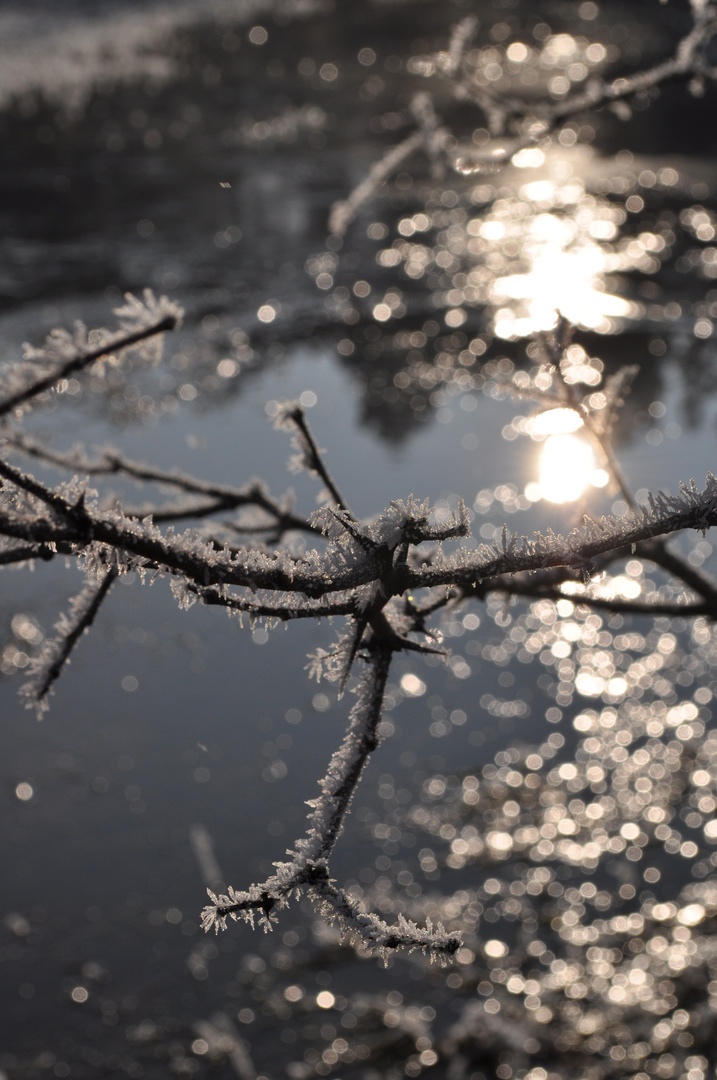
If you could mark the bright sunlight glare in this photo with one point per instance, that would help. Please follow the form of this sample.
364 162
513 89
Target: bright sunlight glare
562 276
555 422
566 468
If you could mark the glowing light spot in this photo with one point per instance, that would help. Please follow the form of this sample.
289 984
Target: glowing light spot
501 843
595 52
79 994
691 915
227 368
538 191
382 312
24 791
325 999
565 468
561 45
589 685
559 85
412 686
455 317
603 230
517 52
555 422
620 586
495 948
492 230
266 313
530 158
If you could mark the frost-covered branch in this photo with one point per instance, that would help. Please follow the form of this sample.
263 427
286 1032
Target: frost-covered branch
21 553
344 212
309 609
350 561
372 932
664 514
65 354
47 667
516 124
565 391
345 565
218 498
291 417
367 572
537 120
308 863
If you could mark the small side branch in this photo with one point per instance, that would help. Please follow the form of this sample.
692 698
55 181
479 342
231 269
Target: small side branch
309 457
71 357
47 668
24 553
665 514
370 930
344 212
309 859
256 609
221 498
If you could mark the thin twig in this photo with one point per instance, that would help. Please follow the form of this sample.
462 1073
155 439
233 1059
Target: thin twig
294 414
223 497
47 668
308 862
115 343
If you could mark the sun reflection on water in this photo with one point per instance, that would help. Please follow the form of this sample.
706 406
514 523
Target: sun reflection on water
531 251
565 255
567 462
563 276
566 465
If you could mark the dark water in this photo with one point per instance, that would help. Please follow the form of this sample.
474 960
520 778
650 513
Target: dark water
199 155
